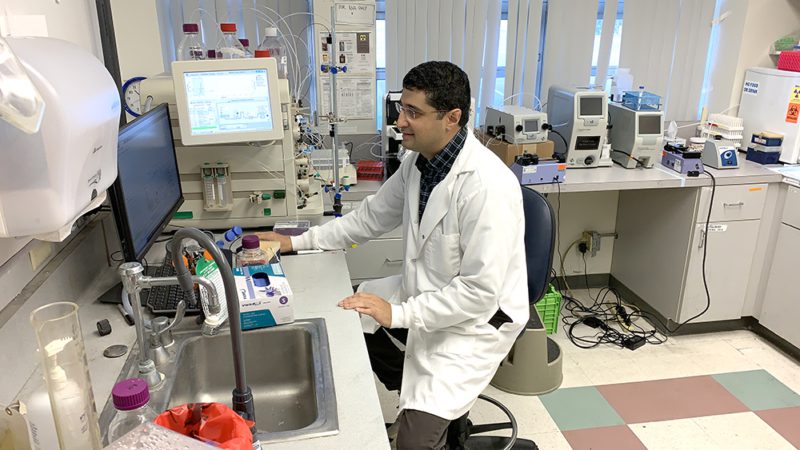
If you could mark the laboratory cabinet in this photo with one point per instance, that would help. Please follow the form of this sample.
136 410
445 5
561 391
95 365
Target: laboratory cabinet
781 308
659 252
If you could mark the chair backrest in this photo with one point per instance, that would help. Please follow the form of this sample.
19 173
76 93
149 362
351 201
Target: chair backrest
540 238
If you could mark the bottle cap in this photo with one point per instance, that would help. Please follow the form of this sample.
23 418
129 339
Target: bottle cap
261 54
251 241
130 394
245 42
228 27
190 28
212 54
270 32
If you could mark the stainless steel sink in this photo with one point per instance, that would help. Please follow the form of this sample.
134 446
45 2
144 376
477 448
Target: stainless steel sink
288 368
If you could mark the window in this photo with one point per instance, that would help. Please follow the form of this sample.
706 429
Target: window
616 40
380 61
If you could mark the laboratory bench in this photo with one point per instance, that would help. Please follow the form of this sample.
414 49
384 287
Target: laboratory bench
318 282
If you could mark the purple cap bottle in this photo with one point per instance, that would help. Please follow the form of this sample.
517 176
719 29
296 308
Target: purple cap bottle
250 242
130 394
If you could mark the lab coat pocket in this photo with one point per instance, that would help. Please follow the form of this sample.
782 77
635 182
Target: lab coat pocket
449 343
443 254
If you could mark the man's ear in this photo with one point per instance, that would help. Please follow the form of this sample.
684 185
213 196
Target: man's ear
453 117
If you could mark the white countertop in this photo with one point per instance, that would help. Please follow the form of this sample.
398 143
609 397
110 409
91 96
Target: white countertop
319 281
616 178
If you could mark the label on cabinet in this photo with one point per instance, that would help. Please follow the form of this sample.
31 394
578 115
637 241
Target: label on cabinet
717 227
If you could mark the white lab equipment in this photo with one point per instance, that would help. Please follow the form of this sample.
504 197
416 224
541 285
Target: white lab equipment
580 116
50 177
229 100
516 124
720 154
636 138
771 102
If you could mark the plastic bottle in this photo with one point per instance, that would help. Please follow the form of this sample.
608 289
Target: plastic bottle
246 44
191 46
222 192
251 254
271 46
131 399
623 80
229 46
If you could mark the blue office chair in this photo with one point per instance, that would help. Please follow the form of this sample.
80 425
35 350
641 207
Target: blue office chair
533 366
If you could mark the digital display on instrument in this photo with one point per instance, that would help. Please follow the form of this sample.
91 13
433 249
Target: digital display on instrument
531 125
649 124
590 106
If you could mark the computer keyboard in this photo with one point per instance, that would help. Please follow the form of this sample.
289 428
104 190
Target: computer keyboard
163 300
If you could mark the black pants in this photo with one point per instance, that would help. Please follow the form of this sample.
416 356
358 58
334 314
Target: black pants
429 431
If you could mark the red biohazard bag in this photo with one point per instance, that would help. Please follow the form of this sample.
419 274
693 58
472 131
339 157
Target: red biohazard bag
212 423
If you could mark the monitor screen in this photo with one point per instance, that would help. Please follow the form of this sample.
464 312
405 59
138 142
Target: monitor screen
147 191
227 101
590 106
531 125
649 124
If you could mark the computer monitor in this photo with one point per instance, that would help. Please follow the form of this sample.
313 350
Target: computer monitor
228 100
147 191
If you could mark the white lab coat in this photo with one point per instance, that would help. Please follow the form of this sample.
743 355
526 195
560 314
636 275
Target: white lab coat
463 261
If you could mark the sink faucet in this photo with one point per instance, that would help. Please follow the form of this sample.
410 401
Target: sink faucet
134 281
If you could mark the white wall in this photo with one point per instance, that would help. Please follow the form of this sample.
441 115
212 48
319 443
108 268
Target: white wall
138 38
764 22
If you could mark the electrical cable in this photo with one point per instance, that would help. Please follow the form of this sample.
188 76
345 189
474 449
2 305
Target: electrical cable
566 146
705 255
638 161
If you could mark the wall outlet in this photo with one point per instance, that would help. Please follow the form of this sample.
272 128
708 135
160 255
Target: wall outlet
592 241
40 254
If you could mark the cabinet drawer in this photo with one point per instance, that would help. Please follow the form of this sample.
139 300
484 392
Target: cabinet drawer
791 209
375 259
738 202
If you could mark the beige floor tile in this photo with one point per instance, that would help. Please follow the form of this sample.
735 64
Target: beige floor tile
683 434
742 430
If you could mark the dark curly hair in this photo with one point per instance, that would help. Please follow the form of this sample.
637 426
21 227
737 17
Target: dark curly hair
446 86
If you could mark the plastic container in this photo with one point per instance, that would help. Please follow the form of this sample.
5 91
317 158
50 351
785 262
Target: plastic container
251 254
272 47
66 373
191 46
229 46
621 81
367 170
641 100
131 398
246 44
549 308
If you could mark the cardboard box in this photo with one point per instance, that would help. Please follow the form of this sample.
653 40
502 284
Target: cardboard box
265 298
507 152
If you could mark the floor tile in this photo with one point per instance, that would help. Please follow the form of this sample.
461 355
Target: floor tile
785 421
758 389
682 434
553 440
676 398
606 438
741 431
582 407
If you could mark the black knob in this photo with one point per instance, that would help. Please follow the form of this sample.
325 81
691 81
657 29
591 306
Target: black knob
589 160
518 128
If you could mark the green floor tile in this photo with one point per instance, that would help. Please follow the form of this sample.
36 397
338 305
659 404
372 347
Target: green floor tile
758 390
578 408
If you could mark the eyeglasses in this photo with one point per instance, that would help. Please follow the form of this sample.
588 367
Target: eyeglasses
412 113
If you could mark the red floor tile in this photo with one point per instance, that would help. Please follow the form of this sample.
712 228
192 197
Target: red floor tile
618 437
678 398
786 421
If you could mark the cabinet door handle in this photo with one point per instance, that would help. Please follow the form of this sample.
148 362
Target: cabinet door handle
731 205
393 261
702 238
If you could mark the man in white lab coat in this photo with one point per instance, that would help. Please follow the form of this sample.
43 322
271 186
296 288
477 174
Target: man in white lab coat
461 300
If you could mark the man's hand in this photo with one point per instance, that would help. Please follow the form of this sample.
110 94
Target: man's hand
286 241
371 305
